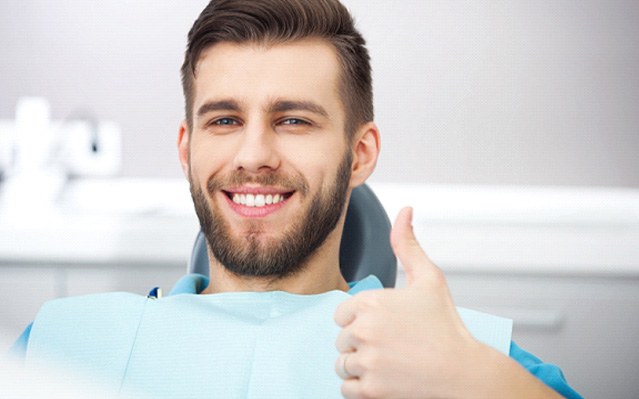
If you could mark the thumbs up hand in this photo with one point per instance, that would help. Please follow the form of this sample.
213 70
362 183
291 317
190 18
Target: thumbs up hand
411 343
399 342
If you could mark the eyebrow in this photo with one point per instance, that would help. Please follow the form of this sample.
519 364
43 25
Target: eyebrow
276 106
293 105
220 105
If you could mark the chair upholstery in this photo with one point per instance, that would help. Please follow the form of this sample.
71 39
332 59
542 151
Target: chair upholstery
365 246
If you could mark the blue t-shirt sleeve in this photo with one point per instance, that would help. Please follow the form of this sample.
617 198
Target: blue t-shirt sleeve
549 374
19 348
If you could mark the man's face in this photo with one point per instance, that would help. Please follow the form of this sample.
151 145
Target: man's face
269 164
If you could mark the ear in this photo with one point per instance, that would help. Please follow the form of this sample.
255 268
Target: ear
184 135
366 146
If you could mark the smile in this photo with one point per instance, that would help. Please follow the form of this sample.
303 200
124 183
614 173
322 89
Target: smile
258 200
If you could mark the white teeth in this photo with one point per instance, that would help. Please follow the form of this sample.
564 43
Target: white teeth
257 200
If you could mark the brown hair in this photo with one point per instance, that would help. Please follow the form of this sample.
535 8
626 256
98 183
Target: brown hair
278 21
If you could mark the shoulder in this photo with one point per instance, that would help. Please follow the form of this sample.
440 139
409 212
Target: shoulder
68 317
58 316
95 305
76 309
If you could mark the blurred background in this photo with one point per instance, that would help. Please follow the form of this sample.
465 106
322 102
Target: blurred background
469 92
511 126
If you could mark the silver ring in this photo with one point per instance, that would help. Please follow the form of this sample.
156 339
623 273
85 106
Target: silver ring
342 371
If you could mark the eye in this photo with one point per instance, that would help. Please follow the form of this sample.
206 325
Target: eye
224 122
294 121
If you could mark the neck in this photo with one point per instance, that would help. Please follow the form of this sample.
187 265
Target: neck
321 273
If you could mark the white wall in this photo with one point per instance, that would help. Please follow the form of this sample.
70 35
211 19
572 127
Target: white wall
476 92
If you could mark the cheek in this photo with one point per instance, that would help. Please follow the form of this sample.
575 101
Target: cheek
317 150
321 176
311 161
206 159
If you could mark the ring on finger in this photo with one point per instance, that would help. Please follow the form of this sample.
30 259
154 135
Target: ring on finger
342 371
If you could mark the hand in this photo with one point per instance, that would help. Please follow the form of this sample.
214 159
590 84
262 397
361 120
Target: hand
407 342
411 343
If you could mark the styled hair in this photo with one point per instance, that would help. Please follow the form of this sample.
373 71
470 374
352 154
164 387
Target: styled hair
273 22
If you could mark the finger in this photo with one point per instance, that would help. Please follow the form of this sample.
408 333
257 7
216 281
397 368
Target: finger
345 341
346 312
406 247
342 365
351 389
348 366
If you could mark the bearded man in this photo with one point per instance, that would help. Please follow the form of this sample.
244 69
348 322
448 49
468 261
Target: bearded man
278 131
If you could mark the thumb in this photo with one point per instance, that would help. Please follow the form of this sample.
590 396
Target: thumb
405 246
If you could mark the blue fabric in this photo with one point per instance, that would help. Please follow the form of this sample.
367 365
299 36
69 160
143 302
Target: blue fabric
89 336
19 348
227 345
491 330
190 284
550 374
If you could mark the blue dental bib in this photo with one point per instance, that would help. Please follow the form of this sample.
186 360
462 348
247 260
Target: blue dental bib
229 345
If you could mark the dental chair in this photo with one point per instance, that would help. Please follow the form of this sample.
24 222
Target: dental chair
365 248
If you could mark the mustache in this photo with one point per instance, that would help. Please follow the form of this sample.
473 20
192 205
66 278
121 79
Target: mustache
240 177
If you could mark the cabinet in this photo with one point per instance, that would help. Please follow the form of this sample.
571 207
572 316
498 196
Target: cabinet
588 325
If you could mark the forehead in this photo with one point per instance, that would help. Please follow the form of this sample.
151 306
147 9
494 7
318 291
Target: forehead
307 70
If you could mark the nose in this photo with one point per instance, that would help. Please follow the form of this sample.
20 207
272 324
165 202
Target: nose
257 152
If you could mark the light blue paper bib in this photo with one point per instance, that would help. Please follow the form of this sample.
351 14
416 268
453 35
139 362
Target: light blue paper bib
231 345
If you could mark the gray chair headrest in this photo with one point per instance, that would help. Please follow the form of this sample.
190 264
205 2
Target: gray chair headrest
364 249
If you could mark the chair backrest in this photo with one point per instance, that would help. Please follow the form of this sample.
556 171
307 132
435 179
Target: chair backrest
364 250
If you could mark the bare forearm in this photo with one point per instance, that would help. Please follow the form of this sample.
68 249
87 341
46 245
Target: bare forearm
502 377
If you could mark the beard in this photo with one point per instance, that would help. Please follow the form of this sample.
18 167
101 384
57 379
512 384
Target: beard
282 256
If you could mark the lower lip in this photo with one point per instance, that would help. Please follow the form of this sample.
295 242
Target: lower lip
254 211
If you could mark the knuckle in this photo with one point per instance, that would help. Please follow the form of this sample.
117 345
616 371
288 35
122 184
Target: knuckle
367 299
373 359
438 279
344 313
360 334
370 361
373 301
